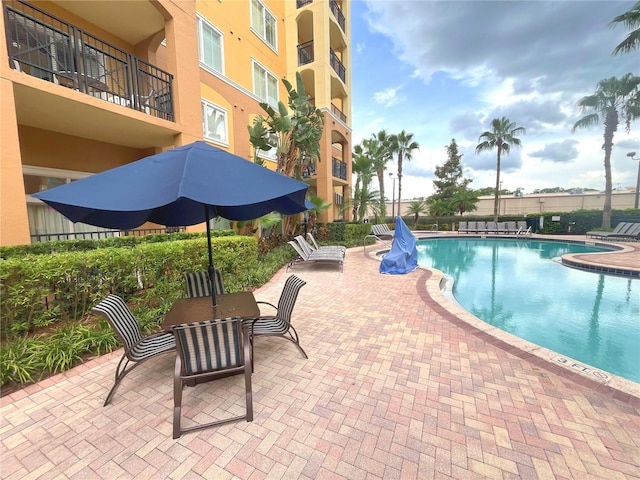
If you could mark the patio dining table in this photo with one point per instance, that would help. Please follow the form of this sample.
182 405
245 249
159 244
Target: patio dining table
199 309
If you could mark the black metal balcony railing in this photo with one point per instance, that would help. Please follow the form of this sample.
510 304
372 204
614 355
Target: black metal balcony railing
309 170
337 65
305 53
99 234
302 3
44 46
337 11
339 168
339 113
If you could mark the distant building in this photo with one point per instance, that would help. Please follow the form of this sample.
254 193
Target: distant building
544 202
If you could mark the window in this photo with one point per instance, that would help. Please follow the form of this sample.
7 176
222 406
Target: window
264 24
46 223
214 123
210 45
265 85
272 154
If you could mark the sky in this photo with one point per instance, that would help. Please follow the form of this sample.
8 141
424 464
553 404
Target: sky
443 70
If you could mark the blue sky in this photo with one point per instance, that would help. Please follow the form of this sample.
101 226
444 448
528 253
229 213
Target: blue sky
445 69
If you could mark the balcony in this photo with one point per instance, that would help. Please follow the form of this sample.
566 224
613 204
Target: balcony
302 3
305 53
335 9
337 65
339 168
44 46
339 113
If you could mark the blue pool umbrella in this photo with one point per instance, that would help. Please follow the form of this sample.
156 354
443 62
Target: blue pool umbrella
184 186
403 256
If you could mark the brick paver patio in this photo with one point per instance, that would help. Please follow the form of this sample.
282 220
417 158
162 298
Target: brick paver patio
395 386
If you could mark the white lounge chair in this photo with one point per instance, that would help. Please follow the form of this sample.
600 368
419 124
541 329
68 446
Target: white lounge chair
315 256
334 248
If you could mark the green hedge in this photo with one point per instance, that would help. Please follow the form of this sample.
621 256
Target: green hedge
39 290
45 248
579 222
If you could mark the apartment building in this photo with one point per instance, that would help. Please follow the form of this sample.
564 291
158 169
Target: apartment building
91 85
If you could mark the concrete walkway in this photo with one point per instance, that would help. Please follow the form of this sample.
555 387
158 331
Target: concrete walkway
397 385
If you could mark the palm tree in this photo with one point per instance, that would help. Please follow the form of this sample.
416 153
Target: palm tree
613 98
378 149
465 200
501 136
416 207
295 136
631 20
362 168
438 207
402 145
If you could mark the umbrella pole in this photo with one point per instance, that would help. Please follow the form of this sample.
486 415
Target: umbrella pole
211 270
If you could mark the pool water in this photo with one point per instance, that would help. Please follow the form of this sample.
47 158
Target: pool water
516 286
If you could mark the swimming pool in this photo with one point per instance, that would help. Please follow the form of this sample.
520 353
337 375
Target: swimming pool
516 285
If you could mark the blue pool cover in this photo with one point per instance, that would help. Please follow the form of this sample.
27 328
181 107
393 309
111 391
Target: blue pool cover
403 256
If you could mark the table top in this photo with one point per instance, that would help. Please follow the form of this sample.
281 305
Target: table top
199 309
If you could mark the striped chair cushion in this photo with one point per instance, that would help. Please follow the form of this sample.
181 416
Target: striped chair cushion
209 346
121 320
198 284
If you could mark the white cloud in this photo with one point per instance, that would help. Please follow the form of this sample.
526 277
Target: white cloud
461 64
388 97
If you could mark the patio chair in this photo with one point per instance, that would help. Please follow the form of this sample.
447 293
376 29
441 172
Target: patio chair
137 348
462 227
198 284
315 256
279 324
491 227
208 351
501 227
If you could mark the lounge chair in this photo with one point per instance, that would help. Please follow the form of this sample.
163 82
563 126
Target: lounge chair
382 231
198 284
339 248
523 229
309 249
622 227
462 227
471 228
631 233
481 227
279 324
137 348
501 227
491 227
511 227
315 256
208 351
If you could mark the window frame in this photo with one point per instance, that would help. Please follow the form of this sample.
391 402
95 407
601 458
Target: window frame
207 103
203 22
266 13
254 64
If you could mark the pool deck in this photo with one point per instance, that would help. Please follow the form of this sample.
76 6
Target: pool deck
398 384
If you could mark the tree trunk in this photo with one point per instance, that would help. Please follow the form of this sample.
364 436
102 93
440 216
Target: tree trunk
399 181
497 192
610 126
383 205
